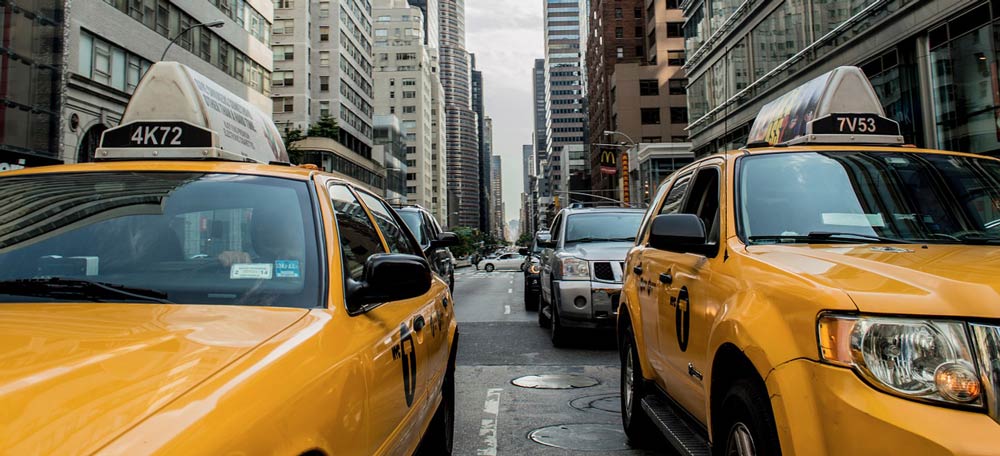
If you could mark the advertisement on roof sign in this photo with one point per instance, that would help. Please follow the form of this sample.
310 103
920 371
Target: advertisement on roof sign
787 116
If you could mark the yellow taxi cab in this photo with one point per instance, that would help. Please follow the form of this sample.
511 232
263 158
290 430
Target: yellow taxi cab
192 293
824 291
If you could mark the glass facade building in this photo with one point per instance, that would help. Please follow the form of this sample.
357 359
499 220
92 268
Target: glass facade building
31 80
933 64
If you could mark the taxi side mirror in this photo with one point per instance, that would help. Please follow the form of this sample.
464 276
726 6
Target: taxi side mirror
683 233
445 239
387 278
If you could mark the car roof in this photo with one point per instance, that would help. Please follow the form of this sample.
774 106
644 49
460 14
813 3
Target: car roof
841 148
282 171
601 210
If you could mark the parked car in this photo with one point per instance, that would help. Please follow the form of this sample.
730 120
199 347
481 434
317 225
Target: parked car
192 294
506 261
532 268
433 240
824 291
581 268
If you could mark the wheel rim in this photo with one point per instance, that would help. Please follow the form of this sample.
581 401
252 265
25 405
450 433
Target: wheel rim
740 441
629 382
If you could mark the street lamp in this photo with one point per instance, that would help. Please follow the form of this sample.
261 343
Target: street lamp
213 24
615 132
625 169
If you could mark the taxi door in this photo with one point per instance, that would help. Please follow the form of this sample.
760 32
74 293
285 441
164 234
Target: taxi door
390 353
649 264
688 298
427 327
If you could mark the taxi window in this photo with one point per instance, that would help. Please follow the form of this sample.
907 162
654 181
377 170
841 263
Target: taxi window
395 233
358 238
929 198
185 238
672 204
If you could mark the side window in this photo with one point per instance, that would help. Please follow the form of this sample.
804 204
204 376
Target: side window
396 237
358 237
432 231
672 204
704 201
556 226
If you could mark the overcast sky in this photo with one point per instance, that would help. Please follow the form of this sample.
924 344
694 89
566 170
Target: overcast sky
506 37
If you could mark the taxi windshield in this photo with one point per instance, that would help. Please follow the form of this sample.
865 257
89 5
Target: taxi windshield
185 238
869 197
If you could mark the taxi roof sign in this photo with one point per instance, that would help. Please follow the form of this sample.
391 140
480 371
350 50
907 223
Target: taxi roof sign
178 113
838 107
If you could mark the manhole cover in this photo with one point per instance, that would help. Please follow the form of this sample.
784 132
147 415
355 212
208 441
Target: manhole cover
582 437
555 381
603 403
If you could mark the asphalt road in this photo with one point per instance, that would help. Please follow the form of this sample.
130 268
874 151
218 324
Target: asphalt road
499 343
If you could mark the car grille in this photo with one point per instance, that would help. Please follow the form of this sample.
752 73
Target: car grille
988 349
603 271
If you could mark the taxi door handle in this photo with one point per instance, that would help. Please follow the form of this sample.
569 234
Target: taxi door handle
666 278
418 323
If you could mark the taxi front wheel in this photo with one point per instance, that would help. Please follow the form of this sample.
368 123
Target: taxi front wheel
638 427
746 426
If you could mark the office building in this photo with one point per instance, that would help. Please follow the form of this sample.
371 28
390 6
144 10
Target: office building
323 68
389 151
617 36
541 194
930 63
407 87
432 23
565 118
462 133
69 72
496 202
479 107
527 220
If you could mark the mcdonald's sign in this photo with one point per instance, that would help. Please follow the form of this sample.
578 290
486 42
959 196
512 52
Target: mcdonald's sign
608 161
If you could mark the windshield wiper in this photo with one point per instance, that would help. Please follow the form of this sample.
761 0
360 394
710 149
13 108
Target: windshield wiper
826 236
56 287
977 239
592 239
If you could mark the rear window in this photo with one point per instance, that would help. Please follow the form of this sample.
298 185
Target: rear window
176 237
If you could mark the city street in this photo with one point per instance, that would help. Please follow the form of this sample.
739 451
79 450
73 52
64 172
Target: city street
500 342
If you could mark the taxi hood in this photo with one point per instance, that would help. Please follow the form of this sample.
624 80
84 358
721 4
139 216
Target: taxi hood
75 376
939 280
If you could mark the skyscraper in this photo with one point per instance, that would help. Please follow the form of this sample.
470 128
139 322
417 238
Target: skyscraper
462 135
323 67
479 106
566 117
432 24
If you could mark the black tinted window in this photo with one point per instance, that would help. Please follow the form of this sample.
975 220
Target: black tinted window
396 236
358 238
413 221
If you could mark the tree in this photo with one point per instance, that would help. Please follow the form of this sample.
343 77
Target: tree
525 240
294 154
325 128
467 241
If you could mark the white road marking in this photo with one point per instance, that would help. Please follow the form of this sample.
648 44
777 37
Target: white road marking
506 310
510 290
488 428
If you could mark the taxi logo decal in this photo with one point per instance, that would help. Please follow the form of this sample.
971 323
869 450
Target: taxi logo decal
682 314
409 361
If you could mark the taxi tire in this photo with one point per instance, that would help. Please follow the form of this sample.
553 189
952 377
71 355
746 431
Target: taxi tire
530 299
440 437
747 403
639 428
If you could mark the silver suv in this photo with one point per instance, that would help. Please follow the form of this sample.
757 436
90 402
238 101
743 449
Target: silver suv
581 268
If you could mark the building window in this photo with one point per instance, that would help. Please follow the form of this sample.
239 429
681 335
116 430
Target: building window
409 94
324 9
676 58
324 33
637 12
283 53
618 13
651 116
283 78
778 37
283 27
675 30
284 104
652 139
649 87
324 83
324 109
381 32
673 4
678 115
409 109
678 139
677 86
409 82
619 32
284 4
324 58
638 32
620 52
110 65
384 19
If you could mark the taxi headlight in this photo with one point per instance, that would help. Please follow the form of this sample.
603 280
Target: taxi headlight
926 360
575 269
534 269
